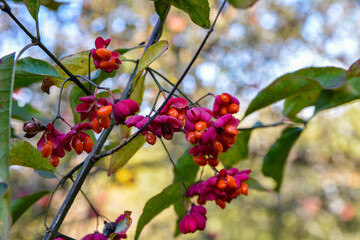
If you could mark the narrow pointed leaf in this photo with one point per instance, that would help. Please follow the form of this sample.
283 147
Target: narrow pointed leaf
157 204
291 84
162 10
121 157
33 8
125 50
346 93
327 98
151 54
255 184
138 89
238 152
20 205
275 160
293 105
333 98
45 174
198 10
6 70
243 4
186 167
101 76
24 154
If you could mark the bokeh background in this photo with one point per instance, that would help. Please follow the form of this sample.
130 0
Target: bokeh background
320 195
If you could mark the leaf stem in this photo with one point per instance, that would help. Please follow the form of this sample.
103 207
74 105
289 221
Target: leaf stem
156 81
205 96
173 163
171 84
282 122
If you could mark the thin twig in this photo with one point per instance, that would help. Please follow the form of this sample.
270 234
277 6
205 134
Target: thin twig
265 126
155 102
171 84
205 96
37 21
90 204
156 81
59 100
60 184
173 163
92 83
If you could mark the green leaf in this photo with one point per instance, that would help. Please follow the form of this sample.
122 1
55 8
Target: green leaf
26 112
255 184
353 71
344 94
162 9
24 154
151 54
198 10
293 105
20 205
138 89
33 8
30 70
125 50
180 212
6 82
238 152
157 204
75 93
121 157
51 4
333 98
106 94
327 98
101 76
78 64
45 174
243 4
299 82
188 170
275 159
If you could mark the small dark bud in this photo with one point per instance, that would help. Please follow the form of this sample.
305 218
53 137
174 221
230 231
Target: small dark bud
109 228
31 128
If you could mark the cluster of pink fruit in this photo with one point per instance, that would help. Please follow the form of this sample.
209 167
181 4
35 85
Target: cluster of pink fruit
211 132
